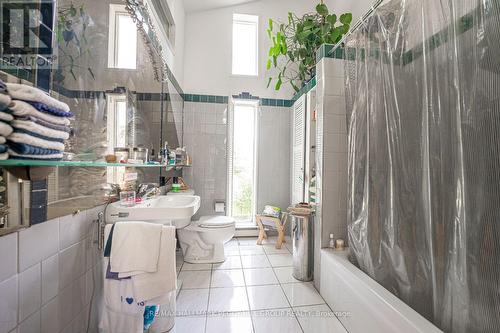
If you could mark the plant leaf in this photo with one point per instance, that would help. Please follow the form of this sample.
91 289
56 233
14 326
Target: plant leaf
278 84
332 19
271 24
269 82
346 18
322 9
269 62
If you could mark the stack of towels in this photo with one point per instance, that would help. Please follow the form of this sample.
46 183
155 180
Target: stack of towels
5 118
139 276
37 124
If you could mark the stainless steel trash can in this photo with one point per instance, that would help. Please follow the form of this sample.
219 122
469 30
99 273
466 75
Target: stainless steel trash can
303 250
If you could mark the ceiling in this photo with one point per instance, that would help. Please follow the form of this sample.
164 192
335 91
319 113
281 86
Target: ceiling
201 5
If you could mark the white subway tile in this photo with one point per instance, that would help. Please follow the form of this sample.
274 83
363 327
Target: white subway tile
31 324
9 304
72 229
30 291
8 250
50 278
71 264
38 242
50 316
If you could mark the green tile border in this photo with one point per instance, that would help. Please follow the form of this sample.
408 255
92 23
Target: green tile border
216 99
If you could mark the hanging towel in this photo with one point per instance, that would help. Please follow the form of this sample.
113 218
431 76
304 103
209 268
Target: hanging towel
53 111
34 141
47 157
135 248
121 312
32 94
21 108
26 149
41 122
33 127
152 285
5 129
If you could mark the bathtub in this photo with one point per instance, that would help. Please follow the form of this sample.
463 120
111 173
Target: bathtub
363 305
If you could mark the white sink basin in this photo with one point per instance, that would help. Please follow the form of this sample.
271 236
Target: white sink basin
161 209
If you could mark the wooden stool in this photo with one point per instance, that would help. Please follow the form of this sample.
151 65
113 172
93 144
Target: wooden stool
279 225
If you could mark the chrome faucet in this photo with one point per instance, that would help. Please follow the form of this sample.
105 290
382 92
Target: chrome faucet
147 191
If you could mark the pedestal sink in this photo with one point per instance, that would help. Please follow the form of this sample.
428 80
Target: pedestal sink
162 209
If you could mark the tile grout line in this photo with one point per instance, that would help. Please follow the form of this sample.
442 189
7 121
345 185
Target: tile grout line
286 297
248 297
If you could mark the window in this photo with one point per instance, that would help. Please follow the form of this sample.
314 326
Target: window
242 161
122 43
245 44
116 131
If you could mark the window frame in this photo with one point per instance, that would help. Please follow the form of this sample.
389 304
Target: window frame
114 11
250 223
249 19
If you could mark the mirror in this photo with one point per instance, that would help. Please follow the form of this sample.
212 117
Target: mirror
111 71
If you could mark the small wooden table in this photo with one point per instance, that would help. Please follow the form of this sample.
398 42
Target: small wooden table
275 223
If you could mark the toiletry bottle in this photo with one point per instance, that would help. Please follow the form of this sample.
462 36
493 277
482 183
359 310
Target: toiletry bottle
331 244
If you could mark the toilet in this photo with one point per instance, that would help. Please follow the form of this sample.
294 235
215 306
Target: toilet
202 241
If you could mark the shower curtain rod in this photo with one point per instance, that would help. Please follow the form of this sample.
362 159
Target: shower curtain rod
359 23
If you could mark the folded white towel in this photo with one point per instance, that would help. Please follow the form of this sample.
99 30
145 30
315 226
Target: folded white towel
5 116
34 141
5 129
135 248
122 312
4 156
39 129
2 140
37 157
151 285
4 100
20 108
32 94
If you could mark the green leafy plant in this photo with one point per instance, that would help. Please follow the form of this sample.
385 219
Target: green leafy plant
297 42
72 27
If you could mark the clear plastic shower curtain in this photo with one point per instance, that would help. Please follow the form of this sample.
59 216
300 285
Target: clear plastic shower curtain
423 95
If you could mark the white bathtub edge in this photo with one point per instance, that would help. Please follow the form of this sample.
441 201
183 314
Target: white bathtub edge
371 307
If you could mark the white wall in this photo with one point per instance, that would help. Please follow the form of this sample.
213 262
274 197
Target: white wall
177 64
208 40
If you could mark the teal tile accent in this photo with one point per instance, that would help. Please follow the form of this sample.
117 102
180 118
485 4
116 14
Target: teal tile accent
196 98
219 99
204 98
226 99
280 102
211 99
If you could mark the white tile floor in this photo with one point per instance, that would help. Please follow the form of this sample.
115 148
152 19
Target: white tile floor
252 291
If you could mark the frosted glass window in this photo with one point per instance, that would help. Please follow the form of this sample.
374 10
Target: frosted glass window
245 44
122 52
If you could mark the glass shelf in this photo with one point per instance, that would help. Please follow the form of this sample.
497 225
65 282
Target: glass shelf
84 164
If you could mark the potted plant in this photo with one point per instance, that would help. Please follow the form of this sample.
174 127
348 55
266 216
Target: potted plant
294 44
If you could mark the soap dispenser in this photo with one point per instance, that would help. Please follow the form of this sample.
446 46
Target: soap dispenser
331 243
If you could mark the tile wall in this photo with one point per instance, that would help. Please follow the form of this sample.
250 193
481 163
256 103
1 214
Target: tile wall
331 155
47 276
205 138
